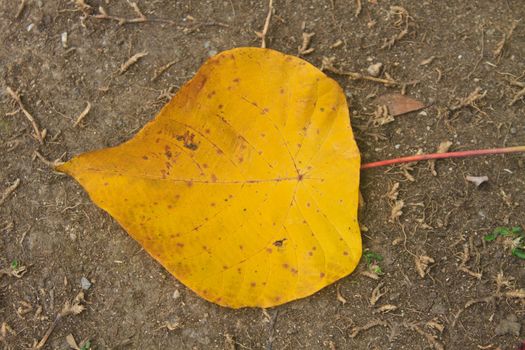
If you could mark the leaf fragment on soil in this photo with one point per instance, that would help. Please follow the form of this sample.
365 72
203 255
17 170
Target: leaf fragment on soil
398 104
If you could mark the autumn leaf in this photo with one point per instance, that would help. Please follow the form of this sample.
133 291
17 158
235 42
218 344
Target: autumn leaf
245 185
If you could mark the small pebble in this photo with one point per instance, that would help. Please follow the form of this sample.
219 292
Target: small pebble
513 130
176 294
85 283
375 69
63 38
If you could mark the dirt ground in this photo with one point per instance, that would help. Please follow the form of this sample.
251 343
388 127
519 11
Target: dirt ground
440 52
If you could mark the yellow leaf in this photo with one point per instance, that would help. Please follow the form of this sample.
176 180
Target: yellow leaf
245 185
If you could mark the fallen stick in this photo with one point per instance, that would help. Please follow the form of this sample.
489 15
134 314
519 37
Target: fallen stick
9 190
460 154
38 134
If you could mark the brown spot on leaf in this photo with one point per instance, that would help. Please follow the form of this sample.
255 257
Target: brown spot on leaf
279 243
167 151
145 157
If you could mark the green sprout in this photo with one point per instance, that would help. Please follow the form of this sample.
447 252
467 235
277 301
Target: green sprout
517 235
372 260
86 346
14 264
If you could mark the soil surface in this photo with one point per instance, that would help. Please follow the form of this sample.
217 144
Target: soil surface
60 55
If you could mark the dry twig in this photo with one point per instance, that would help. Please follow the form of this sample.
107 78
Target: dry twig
328 65
358 8
262 35
376 294
305 48
422 264
402 17
103 14
340 297
16 272
371 324
40 135
500 46
83 114
131 61
518 95
465 257
442 148
434 343
70 308
9 190
470 100
51 164
161 70
21 8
